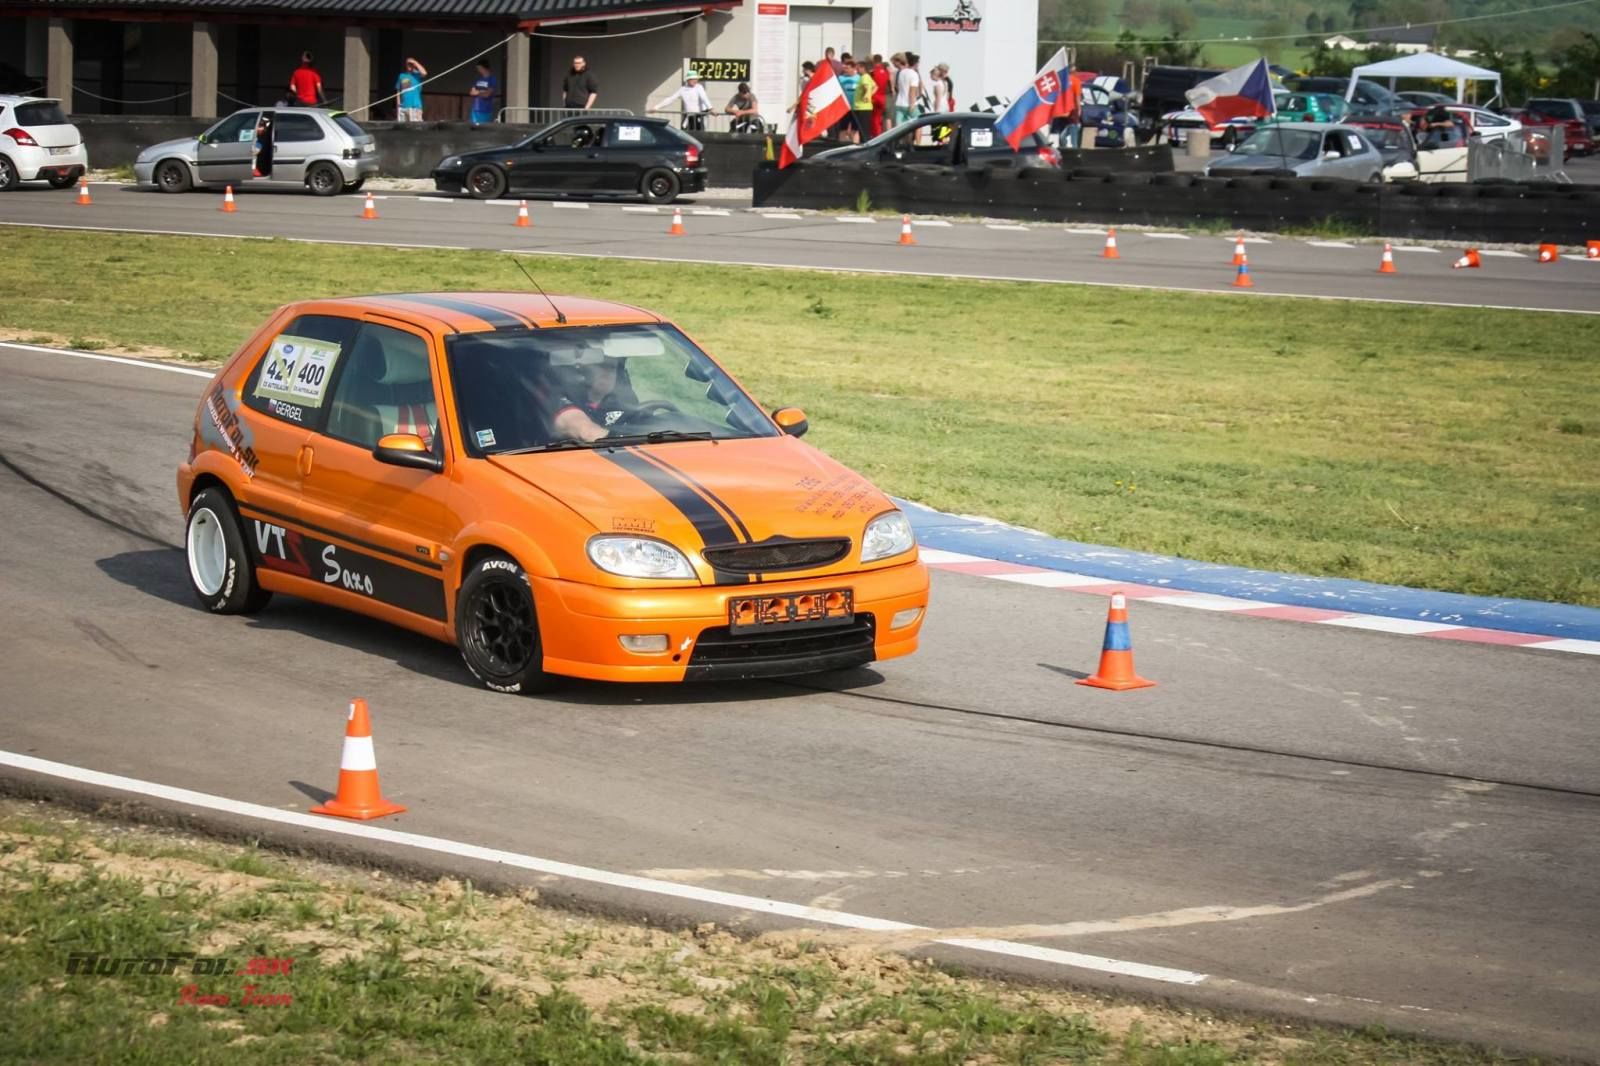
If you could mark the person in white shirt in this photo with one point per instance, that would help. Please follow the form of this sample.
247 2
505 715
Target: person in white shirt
907 88
696 102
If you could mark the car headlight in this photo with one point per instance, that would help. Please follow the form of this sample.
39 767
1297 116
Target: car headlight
638 557
888 534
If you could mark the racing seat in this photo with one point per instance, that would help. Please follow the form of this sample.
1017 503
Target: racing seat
388 388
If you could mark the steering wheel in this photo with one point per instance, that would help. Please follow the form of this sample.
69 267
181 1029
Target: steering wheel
649 409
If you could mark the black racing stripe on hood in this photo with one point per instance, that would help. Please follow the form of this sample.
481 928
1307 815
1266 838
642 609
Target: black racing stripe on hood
496 317
702 490
714 530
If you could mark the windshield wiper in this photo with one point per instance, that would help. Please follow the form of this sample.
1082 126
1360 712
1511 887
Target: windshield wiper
653 437
553 446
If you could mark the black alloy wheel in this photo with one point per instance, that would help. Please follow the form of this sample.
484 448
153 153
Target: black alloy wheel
324 179
497 628
660 186
486 182
172 176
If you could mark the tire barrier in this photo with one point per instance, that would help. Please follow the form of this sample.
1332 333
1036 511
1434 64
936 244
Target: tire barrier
1497 211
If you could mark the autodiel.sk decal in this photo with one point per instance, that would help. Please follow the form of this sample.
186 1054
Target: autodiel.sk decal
222 429
292 551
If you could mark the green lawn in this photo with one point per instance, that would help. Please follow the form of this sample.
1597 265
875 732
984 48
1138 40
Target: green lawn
1423 446
386 970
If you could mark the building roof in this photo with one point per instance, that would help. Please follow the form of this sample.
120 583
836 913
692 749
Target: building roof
467 10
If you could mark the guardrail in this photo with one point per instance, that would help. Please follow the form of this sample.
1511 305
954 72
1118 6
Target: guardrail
715 122
543 116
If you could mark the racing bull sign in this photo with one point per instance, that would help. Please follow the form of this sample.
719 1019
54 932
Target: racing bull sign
965 19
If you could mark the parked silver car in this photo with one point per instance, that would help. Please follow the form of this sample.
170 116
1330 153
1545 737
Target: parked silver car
1309 149
266 147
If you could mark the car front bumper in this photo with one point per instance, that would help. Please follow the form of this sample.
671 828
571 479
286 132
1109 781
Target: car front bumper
450 181
581 626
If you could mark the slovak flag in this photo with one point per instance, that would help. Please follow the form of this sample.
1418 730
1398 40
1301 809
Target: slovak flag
821 106
1052 95
1243 92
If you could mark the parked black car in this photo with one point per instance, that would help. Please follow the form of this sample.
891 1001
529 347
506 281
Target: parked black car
585 156
1162 93
951 139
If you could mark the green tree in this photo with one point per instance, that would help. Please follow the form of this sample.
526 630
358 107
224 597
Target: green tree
1313 23
1330 22
1577 64
1273 49
1138 14
1070 19
1177 17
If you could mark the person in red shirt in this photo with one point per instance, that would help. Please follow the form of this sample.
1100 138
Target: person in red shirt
306 84
880 98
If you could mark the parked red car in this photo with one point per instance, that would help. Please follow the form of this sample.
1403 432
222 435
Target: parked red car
1578 141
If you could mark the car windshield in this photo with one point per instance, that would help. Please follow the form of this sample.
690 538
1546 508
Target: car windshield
1275 140
636 383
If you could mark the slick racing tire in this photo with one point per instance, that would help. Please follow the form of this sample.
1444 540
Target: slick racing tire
497 628
219 566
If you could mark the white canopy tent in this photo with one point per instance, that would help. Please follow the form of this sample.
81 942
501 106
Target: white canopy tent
1425 65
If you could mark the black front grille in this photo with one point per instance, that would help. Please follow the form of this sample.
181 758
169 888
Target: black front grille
721 655
778 553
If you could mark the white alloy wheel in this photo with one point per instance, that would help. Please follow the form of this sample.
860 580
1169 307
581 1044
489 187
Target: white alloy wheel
208 552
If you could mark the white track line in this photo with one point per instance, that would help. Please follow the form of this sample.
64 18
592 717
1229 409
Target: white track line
938 222
1330 244
858 219
145 363
1005 226
717 211
1166 236
1087 232
1503 253
781 214
630 882
1408 626
502 203
1413 248
1582 647
569 205
638 209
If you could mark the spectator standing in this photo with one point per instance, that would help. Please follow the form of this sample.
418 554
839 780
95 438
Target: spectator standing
578 88
830 57
861 107
847 128
939 88
907 88
696 103
408 87
484 89
306 84
880 93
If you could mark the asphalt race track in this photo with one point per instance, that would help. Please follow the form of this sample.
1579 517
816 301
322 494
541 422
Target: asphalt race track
726 233
1339 823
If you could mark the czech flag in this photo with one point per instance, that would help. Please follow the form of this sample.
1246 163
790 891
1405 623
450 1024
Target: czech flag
821 106
1243 92
1053 94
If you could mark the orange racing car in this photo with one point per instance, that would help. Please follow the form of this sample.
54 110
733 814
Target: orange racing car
558 486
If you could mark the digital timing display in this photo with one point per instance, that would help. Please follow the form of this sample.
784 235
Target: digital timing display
722 69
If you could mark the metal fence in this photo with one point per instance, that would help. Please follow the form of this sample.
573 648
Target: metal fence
1533 155
715 122
543 116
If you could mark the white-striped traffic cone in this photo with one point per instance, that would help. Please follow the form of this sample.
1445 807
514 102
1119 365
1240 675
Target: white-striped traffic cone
359 796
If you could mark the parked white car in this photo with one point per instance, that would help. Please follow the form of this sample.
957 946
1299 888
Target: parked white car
1485 123
37 143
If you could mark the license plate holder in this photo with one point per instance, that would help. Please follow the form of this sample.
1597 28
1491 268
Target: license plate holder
763 612
61 151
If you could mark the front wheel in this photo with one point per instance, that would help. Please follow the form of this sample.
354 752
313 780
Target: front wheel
355 186
485 182
324 179
497 628
219 565
659 186
172 176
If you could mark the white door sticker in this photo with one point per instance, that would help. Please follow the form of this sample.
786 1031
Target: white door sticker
297 369
627 133
983 138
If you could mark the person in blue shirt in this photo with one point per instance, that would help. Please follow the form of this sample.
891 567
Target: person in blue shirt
483 92
409 88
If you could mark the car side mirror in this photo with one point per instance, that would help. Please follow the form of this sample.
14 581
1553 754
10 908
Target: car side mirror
1330 155
406 449
201 139
792 420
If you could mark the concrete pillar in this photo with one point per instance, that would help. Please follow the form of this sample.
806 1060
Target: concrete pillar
694 38
357 68
518 74
58 62
203 70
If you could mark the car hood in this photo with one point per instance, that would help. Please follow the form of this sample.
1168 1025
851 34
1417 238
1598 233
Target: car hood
704 493
182 146
494 151
1246 164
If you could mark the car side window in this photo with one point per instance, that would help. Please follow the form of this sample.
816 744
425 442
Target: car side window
386 386
292 127
579 135
240 127
290 381
629 135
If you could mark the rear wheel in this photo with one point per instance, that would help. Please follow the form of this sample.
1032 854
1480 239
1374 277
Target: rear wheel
497 628
324 179
8 174
486 182
219 565
172 176
659 186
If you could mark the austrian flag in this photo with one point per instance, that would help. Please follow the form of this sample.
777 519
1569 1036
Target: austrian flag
821 106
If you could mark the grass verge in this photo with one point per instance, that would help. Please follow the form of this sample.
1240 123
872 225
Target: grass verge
398 971
1432 447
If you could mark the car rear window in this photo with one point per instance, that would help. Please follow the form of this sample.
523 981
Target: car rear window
42 113
349 125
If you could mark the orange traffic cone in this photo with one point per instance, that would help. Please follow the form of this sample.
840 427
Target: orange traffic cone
905 230
1111 245
1116 654
677 223
359 796
1386 264
371 210
227 201
1549 253
1241 279
1238 251
1469 260
1592 250
83 192
522 213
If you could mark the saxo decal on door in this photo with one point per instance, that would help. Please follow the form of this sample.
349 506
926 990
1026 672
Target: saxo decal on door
287 550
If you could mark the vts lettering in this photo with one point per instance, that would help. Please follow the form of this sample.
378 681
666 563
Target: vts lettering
281 549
